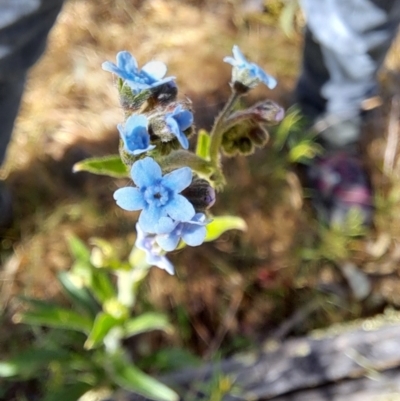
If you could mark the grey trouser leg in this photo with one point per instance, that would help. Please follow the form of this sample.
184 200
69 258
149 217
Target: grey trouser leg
10 98
345 45
24 26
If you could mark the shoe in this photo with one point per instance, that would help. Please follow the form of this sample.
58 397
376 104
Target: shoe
339 184
6 210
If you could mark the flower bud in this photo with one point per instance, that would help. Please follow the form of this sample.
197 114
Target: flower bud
258 135
267 112
165 93
200 194
148 99
245 146
130 101
237 140
170 126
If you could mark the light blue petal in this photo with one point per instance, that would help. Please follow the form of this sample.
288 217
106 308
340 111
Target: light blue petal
129 198
138 145
110 67
121 130
184 142
175 130
168 242
146 172
156 69
180 209
126 66
178 180
165 225
267 79
195 235
199 218
146 242
136 86
239 57
230 60
178 109
144 150
135 142
134 135
160 261
139 86
126 62
148 219
172 124
136 121
161 82
184 119
141 239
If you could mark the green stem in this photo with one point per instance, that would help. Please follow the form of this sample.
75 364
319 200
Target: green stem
129 280
217 131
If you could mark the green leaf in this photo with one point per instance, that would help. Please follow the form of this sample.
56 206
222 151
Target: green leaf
31 362
80 297
221 224
37 303
54 316
170 359
101 326
290 125
146 322
130 378
101 285
78 249
303 151
108 165
70 392
203 144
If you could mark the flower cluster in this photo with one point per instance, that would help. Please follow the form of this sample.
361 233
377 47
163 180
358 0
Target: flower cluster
155 126
173 187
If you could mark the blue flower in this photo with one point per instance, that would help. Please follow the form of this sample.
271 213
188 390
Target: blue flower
156 195
170 232
134 135
150 76
248 74
154 255
178 121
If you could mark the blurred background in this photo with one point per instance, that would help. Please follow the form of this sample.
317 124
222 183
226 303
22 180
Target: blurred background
287 274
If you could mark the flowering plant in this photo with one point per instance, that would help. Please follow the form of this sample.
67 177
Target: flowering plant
174 189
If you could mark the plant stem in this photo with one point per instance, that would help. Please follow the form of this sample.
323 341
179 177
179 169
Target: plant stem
217 131
128 282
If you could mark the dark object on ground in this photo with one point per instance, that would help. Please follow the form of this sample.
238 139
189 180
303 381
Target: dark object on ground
6 210
339 184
